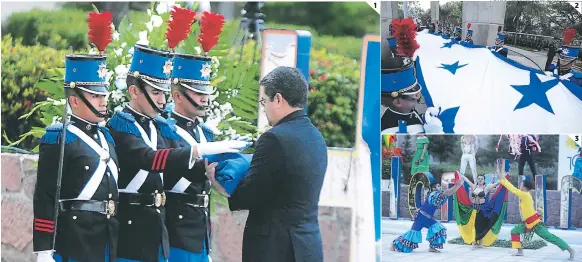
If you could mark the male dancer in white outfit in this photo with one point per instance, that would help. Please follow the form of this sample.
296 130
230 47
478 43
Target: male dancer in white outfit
469 145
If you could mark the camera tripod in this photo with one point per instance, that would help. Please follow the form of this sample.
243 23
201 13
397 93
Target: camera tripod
250 27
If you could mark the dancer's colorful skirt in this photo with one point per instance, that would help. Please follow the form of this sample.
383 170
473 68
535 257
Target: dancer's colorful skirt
437 235
480 222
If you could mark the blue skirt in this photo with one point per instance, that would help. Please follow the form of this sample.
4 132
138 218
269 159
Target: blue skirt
160 258
181 255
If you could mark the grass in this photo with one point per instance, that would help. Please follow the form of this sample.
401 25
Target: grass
535 244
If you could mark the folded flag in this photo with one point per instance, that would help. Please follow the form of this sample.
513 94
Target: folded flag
231 169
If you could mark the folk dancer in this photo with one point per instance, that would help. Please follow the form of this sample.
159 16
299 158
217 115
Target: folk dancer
87 225
424 218
531 219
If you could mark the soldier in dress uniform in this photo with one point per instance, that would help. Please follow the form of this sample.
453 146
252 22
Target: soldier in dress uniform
400 94
188 214
499 43
148 154
447 30
457 34
431 28
469 37
568 54
87 225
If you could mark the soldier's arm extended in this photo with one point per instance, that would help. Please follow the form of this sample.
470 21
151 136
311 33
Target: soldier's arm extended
262 179
46 188
130 145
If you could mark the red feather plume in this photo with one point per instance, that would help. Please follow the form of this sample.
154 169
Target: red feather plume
469 26
569 35
100 27
405 34
179 25
210 29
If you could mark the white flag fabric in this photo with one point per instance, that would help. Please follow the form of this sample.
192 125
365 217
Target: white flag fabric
480 92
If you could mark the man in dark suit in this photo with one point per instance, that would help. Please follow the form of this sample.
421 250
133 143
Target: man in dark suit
281 189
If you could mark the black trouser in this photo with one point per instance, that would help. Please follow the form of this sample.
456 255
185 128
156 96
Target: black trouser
526 157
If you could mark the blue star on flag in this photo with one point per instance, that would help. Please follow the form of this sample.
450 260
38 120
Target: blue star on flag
448 45
452 67
535 93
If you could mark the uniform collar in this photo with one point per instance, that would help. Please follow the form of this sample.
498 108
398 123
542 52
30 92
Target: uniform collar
183 121
137 115
86 126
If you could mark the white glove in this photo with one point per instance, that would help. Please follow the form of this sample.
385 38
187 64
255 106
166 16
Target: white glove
433 124
213 148
45 256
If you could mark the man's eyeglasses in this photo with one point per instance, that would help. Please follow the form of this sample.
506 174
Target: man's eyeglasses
262 101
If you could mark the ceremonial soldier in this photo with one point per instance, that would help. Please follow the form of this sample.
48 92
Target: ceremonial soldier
400 88
144 146
447 31
87 191
499 43
457 34
431 28
568 54
469 37
188 214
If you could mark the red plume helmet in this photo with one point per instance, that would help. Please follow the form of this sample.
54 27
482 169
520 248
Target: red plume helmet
100 29
468 25
569 35
210 29
179 25
405 34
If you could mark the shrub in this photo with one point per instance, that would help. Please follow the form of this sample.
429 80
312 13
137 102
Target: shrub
333 97
22 67
60 29
328 17
67 28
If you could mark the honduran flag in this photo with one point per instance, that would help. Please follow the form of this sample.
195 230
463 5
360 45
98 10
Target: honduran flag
479 91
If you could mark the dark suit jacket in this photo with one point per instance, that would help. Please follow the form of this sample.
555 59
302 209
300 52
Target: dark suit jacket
281 192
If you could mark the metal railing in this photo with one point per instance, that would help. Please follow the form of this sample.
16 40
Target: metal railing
537 42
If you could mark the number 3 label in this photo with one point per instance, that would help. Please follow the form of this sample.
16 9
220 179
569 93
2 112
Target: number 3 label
577 138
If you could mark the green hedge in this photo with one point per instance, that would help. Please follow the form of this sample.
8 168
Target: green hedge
67 28
333 100
60 29
22 67
330 18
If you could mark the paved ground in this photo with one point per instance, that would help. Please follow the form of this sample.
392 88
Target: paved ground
392 228
539 57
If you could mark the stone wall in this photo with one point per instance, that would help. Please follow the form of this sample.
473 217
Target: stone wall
19 178
552 205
